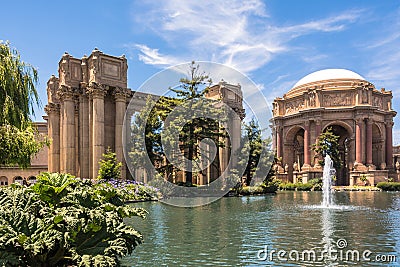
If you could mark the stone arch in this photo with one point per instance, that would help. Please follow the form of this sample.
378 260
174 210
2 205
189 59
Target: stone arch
32 179
18 179
294 148
290 134
345 132
345 125
3 180
378 144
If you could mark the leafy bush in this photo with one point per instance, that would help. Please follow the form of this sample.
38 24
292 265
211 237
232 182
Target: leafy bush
271 187
317 184
389 186
251 190
109 167
304 187
287 186
64 221
313 184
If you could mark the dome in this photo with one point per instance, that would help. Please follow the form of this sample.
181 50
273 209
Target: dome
328 74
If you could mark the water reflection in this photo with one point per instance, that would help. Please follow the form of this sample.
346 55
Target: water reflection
231 231
327 234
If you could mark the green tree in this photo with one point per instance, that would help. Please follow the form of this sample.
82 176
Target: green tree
260 154
18 94
190 97
19 140
187 107
328 144
145 148
109 168
17 146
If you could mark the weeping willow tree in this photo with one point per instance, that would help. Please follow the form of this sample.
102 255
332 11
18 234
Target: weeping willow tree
18 97
18 94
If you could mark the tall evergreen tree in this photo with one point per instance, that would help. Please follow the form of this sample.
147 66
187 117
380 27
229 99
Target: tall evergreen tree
179 115
189 106
259 150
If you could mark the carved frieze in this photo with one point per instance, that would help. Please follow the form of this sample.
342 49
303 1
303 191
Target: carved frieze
342 99
377 102
294 106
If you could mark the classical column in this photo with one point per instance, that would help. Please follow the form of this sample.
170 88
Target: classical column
318 129
84 133
76 142
61 166
278 141
97 94
68 129
359 145
307 161
120 108
358 141
236 135
389 144
368 142
53 124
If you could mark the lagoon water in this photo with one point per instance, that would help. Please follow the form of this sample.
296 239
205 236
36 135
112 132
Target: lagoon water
250 231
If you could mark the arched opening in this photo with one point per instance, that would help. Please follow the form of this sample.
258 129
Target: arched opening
19 179
378 143
294 150
3 181
298 149
32 179
342 175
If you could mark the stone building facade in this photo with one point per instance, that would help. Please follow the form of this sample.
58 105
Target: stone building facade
9 175
86 112
355 110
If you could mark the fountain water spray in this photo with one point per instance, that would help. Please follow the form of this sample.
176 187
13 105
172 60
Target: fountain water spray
327 182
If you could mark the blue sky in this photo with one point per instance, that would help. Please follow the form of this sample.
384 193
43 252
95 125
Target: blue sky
275 43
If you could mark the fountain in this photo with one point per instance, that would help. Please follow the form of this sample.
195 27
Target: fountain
327 200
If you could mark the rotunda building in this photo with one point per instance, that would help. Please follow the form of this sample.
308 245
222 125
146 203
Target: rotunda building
353 108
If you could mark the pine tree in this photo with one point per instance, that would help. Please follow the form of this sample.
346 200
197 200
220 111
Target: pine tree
260 155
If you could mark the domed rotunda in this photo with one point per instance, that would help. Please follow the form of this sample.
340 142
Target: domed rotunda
357 112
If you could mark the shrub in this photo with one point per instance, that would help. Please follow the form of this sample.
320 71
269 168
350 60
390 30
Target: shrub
287 186
251 190
389 186
317 184
271 187
304 187
65 221
109 167
314 184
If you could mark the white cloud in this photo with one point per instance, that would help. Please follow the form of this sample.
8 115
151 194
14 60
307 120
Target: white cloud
153 57
384 59
237 33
